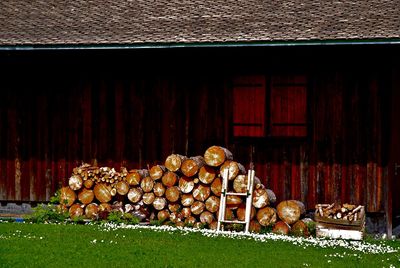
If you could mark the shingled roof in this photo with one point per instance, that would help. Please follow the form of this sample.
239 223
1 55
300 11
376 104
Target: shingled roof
136 22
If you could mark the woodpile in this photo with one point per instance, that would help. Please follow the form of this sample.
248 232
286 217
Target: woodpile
183 190
345 212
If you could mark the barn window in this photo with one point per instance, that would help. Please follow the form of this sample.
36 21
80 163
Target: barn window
274 107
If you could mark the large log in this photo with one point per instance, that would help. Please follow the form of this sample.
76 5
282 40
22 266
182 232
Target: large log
234 169
122 187
263 197
91 211
216 186
217 155
86 196
169 179
135 195
187 200
148 198
207 174
212 204
191 166
76 210
186 184
266 216
240 183
172 193
67 196
159 203
197 208
75 182
147 184
206 217
174 161
156 172
300 228
241 212
201 192
290 211
281 227
102 192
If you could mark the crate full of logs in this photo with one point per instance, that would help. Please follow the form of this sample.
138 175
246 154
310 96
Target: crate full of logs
345 221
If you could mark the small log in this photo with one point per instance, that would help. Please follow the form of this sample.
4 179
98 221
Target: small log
75 182
233 201
186 212
300 228
174 161
201 192
267 216
207 174
186 184
102 193
234 169
113 191
217 155
197 208
191 166
187 200
159 189
91 211
172 193
104 207
162 215
135 195
212 204
254 227
216 186
241 212
147 184
148 198
260 198
169 179
76 210
156 172
281 228
190 220
176 217
135 176
86 196
174 207
206 217
240 183
67 196
88 183
122 187
290 210
159 203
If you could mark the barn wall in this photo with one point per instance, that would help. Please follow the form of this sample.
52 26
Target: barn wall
50 124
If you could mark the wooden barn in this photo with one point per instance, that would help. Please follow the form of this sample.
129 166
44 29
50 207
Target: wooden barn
307 91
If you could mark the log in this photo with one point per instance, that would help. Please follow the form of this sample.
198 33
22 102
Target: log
217 155
135 176
172 193
207 174
260 198
281 228
176 217
148 198
266 216
187 200
122 187
212 204
234 169
75 182
201 192
213 225
241 212
174 207
191 166
216 187
300 228
240 183
159 189
233 201
174 161
135 195
162 215
290 210
186 212
254 227
157 171
169 179
86 196
147 184
197 208
206 217
76 210
186 184
159 203
67 196
104 207
88 183
91 211
190 220
102 193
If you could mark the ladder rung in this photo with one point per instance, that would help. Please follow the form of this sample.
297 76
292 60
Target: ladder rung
227 221
239 194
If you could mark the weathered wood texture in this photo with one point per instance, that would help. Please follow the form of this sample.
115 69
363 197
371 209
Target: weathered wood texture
48 126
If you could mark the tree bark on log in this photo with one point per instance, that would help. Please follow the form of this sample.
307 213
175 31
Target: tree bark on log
266 216
201 192
207 174
290 211
156 172
191 166
186 184
234 169
217 155
169 179
174 161
212 204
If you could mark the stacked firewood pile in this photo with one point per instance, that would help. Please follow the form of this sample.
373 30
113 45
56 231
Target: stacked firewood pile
185 191
345 212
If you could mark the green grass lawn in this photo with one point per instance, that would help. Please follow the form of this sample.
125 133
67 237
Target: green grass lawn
45 245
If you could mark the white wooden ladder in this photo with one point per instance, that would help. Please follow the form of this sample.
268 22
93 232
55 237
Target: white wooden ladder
249 198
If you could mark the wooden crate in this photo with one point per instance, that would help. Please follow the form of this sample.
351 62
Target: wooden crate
338 228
